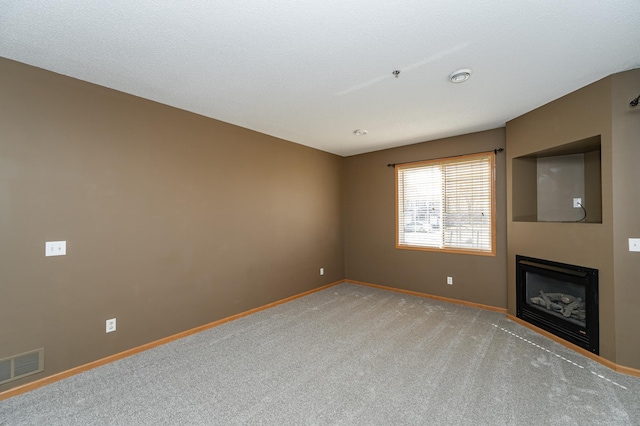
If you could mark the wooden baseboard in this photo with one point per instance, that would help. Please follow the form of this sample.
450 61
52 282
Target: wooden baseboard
430 296
610 364
91 365
111 358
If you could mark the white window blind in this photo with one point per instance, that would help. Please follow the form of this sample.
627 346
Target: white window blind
447 204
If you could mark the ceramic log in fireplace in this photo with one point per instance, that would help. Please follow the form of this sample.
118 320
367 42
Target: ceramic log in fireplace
559 298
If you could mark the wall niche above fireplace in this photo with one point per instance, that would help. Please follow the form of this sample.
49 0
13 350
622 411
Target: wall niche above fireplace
546 183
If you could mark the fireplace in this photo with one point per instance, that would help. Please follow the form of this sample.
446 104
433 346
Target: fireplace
559 298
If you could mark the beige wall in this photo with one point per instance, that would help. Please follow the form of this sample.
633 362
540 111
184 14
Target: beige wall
601 108
579 115
172 220
370 251
626 215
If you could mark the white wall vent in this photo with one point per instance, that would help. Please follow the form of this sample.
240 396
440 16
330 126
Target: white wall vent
19 366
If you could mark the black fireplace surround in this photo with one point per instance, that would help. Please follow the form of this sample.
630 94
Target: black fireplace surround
559 298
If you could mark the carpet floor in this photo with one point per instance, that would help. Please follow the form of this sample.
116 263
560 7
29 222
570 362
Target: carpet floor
347 355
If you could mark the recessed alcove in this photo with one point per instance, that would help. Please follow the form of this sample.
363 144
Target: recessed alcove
546 183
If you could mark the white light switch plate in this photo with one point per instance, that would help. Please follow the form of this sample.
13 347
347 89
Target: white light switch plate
634 244
55 248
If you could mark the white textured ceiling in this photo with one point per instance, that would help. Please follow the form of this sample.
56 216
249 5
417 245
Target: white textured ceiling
312 72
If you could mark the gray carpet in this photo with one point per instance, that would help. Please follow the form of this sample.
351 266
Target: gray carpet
348 355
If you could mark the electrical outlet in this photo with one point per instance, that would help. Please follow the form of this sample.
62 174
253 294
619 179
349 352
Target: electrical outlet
111 325
450 280
321 271
634 244
577 203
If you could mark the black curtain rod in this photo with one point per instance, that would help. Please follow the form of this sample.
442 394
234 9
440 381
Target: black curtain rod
495 151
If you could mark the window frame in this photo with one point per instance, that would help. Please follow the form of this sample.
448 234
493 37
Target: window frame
443 161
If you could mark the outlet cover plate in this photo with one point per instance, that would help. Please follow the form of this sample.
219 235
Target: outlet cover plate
111 325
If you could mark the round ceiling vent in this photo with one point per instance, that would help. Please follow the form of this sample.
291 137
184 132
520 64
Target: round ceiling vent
460 76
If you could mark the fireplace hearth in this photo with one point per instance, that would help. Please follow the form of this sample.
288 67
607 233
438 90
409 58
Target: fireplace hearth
559 298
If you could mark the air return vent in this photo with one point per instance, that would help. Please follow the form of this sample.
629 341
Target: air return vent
18 366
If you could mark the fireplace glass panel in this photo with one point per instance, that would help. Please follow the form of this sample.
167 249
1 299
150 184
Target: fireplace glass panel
562 299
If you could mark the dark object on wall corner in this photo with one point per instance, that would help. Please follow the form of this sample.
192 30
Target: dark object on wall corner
634 103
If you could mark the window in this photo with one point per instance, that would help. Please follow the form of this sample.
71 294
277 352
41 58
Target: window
447 204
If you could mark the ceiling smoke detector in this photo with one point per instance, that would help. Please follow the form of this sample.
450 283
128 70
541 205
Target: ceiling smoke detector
360 132
460 76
